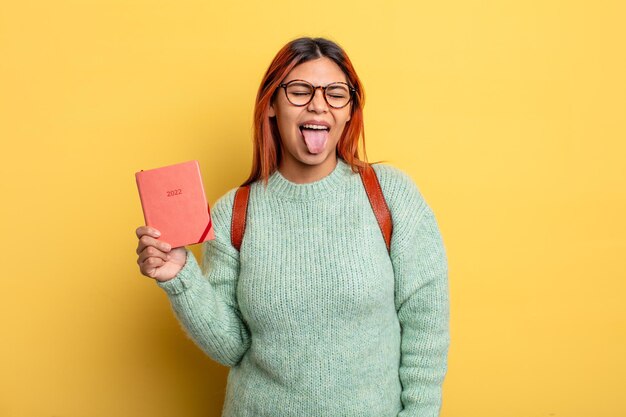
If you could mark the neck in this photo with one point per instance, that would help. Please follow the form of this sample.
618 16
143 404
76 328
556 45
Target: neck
299 173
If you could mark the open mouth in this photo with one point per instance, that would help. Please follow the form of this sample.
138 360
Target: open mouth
306 126
315 136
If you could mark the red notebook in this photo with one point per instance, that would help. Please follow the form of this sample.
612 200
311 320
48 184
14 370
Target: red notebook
174 203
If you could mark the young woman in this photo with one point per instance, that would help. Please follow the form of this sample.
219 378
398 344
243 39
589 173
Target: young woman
313 313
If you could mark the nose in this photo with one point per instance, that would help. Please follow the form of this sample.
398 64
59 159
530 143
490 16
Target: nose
318 103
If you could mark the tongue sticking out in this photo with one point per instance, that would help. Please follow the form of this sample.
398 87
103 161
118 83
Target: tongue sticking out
315 139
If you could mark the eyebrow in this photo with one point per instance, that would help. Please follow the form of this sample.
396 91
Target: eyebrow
297 81
338 86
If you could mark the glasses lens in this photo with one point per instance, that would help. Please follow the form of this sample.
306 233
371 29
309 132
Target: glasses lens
337 94
299 93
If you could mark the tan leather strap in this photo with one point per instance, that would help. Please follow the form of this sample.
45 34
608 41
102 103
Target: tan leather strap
240 209
372 189
378 202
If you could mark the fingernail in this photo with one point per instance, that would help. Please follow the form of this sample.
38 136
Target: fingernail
157 233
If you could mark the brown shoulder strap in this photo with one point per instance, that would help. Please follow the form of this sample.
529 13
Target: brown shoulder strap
378 202
372 188
240 209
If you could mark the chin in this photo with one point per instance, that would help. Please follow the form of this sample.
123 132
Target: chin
316 159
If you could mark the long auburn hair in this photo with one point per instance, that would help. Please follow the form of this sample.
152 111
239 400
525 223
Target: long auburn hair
267 147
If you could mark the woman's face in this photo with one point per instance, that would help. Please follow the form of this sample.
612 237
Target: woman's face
303 146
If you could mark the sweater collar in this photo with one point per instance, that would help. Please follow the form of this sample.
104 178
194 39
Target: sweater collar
282 187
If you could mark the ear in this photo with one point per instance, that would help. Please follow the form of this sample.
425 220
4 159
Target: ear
272 112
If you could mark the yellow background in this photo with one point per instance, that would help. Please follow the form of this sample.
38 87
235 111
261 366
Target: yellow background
508 115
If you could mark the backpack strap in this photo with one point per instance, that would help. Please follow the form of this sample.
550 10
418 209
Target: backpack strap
240 209
372 188
378 202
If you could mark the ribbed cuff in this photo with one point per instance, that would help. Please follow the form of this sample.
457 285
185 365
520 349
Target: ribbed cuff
185 277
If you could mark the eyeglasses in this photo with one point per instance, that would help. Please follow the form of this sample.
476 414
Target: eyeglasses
300 93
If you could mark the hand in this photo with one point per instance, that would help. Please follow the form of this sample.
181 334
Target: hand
157 259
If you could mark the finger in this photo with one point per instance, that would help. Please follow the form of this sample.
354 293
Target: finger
147 230
151 252
145 241
150 267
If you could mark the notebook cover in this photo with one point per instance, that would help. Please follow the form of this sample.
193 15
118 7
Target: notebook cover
174 203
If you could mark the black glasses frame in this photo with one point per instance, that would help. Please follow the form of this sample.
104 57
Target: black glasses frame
323 88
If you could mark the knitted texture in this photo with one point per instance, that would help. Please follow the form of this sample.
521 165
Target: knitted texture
313 316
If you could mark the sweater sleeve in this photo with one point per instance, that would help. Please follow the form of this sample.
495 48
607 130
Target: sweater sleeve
423 310
205 301
422 301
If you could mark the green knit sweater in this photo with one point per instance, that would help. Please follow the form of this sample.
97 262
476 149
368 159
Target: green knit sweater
313 316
